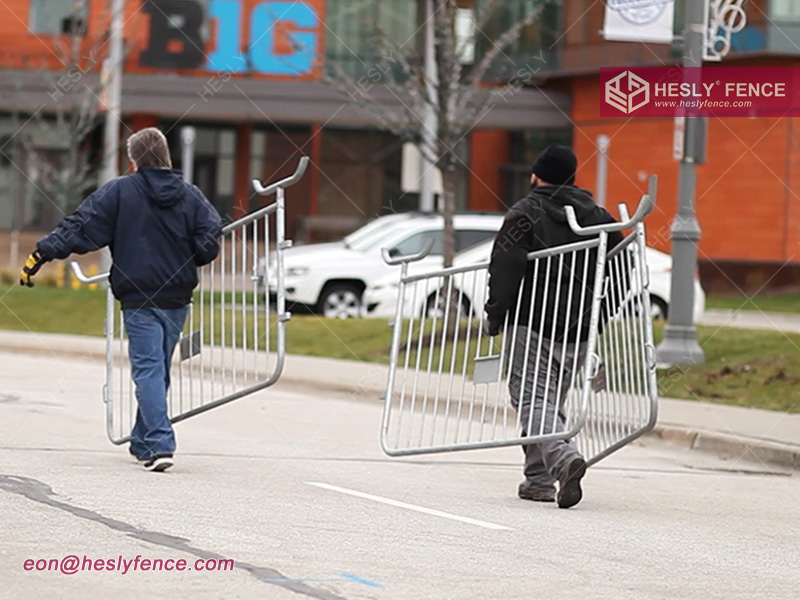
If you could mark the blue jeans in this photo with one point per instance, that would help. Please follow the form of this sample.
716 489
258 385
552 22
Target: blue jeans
153 334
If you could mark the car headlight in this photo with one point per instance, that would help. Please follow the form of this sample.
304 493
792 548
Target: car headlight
297 271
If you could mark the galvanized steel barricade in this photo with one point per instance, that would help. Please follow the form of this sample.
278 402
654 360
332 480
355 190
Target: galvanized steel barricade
234 341
579 362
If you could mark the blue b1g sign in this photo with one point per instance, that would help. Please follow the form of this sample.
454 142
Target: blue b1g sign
176 41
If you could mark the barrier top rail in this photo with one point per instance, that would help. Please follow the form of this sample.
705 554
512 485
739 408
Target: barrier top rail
283 183
646 206
83 277
409 258
266 191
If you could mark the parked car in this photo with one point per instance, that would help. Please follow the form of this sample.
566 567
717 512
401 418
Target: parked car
380 299
330 278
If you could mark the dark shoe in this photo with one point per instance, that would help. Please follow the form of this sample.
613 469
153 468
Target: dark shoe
159 463
136 456
528 492
569 483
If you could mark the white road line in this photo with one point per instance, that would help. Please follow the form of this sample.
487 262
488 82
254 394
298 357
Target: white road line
414 507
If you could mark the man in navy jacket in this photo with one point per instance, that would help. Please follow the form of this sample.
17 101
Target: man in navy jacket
159 230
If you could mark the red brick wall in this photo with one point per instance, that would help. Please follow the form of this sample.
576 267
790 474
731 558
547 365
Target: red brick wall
791 192
490 149
744 191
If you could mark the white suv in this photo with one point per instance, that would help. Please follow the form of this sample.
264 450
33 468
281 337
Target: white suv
331 278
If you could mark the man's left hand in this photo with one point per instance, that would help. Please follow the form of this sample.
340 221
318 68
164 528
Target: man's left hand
31 268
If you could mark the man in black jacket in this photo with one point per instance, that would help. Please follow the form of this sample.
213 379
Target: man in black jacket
159 230
552 324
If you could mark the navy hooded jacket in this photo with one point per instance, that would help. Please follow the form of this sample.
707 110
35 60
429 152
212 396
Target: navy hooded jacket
159 229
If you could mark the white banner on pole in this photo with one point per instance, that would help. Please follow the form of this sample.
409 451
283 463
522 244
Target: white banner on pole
639 21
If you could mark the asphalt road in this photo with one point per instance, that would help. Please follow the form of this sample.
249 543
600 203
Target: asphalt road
292 485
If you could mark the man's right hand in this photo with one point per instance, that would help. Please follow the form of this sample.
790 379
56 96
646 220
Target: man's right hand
31 268
492 328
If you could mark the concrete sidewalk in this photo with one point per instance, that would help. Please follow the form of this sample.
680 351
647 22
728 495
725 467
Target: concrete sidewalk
751 319
737 433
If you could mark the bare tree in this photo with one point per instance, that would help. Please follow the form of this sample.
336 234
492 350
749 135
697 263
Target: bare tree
399 91
62 160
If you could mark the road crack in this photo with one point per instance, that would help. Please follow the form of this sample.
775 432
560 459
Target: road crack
40 492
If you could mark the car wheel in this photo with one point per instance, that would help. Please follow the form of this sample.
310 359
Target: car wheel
340 301
658 308
435 307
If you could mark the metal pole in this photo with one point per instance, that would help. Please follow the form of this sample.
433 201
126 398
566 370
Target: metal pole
603 144
114 66
188 138
19 192
679 345
430 116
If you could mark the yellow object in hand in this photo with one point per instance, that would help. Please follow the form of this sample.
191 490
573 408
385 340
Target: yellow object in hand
32 266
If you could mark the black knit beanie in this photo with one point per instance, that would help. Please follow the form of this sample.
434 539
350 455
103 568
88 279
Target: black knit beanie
557 165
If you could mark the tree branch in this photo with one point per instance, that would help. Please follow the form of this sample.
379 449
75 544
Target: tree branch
501 44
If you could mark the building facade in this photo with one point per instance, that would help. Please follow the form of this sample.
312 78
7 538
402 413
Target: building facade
252 77
748 191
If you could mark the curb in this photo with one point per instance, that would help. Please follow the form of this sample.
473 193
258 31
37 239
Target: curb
729 446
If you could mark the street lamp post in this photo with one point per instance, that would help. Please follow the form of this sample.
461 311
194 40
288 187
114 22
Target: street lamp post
430 116
188 139
679 345
113 93
603 145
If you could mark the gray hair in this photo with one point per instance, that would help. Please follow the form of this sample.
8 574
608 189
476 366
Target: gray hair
148 148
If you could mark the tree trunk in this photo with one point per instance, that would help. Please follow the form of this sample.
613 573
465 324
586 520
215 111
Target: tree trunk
450 182
448 295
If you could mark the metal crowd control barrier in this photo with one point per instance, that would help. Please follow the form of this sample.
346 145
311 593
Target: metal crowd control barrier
234 341
577 362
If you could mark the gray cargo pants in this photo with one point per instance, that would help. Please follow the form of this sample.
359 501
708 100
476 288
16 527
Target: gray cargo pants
543 461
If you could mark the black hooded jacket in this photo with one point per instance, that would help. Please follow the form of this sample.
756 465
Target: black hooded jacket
534 223
159 230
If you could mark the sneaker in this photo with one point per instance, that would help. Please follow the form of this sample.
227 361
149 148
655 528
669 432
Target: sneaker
528 492
159 463
138 458
569 483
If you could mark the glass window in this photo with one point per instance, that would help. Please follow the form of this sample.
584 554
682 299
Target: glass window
227 142
785 10
214 161
225 176
525 146
541 36
352 26
416 243
258 148
62 16
467 238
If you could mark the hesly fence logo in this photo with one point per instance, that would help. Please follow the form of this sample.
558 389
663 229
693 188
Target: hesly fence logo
639 12
694 92
635 95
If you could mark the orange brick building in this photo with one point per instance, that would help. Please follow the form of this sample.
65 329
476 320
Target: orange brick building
748 192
